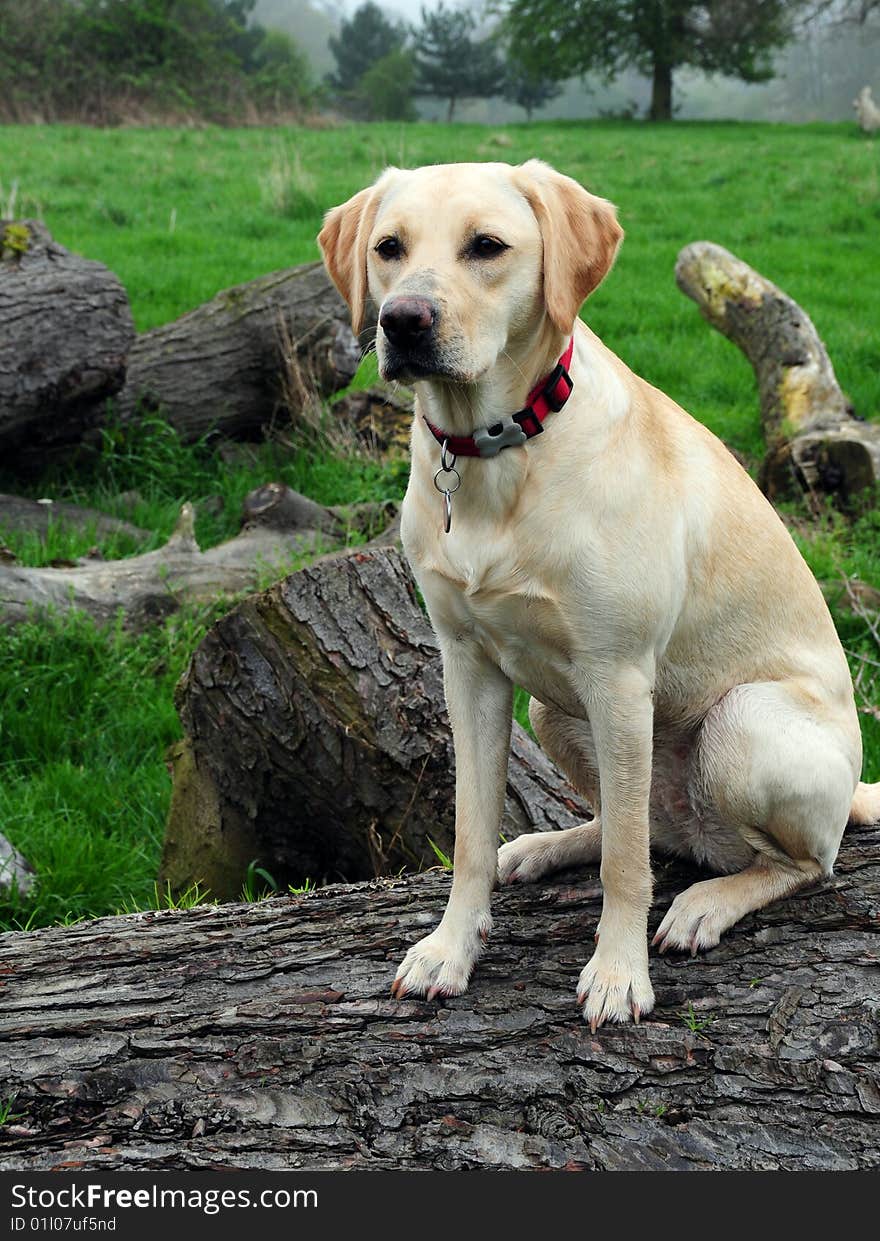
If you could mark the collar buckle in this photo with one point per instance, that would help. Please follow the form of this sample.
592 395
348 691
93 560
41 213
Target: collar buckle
559 377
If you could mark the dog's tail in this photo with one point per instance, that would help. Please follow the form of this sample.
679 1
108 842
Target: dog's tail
866 805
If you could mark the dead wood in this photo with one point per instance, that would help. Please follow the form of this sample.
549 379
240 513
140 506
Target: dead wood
316 740
20 515
66 332
254 356
264 1036
250 358
814 440
148 587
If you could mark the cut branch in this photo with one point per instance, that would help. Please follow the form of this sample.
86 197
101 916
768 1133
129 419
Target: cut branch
256 354
149 587
814 440
36 516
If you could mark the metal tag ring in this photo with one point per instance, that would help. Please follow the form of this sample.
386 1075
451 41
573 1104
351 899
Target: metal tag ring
448 491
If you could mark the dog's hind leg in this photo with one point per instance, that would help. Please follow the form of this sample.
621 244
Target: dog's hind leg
778 764
569 742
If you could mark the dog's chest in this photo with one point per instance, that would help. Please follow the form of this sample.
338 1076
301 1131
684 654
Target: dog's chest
517 618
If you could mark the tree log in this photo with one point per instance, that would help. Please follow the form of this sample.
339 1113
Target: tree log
814 440
254 354
149 587
264 1036
67 329
36 516
317 740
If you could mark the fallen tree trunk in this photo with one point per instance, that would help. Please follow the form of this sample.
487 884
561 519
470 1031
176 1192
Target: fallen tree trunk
264 1036
814 440
36 516
66 332
149 587
253 355
316 740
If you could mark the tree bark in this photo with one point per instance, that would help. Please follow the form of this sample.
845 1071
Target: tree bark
661 91
67 329
255 354
316 739
264 1036
278 527
814 440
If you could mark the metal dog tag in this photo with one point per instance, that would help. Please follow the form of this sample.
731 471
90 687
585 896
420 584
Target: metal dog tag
447 467
503 434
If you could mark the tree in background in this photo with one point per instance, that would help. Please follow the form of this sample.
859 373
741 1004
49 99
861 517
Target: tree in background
656 37
106 60
450 63
361 42
282 75
386 89
528 88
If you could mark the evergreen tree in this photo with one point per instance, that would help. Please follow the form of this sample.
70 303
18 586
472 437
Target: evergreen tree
368 37
450 63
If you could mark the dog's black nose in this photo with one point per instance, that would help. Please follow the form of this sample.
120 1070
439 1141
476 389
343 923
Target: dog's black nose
406 321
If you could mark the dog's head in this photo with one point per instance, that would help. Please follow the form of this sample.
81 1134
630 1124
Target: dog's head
465 261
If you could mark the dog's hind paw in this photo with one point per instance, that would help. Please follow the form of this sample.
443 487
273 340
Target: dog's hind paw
439 964
525 859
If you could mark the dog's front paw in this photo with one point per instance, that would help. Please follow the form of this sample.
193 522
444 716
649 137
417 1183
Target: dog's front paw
440 964
614 989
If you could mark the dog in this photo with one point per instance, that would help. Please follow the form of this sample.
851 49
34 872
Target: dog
602 549
867 112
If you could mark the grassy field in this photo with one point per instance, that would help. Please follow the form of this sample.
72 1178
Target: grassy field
85 716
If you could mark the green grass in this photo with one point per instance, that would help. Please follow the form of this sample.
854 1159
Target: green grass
86 716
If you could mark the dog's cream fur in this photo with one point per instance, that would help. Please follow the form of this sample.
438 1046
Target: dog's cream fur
622 567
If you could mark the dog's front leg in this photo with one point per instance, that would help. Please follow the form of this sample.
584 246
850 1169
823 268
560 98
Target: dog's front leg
480 701
615 985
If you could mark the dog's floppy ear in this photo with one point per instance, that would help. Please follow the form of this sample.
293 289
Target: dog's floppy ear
581 238
343 242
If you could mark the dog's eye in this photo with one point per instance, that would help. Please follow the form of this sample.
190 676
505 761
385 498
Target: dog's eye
389 248
485 247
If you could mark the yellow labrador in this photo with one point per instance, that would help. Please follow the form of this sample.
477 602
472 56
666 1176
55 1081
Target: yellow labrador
616 562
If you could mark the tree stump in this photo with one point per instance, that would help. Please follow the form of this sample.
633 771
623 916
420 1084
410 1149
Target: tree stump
67 330
317 741
814 440
264 1036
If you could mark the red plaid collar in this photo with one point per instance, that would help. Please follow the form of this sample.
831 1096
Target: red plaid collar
514 429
